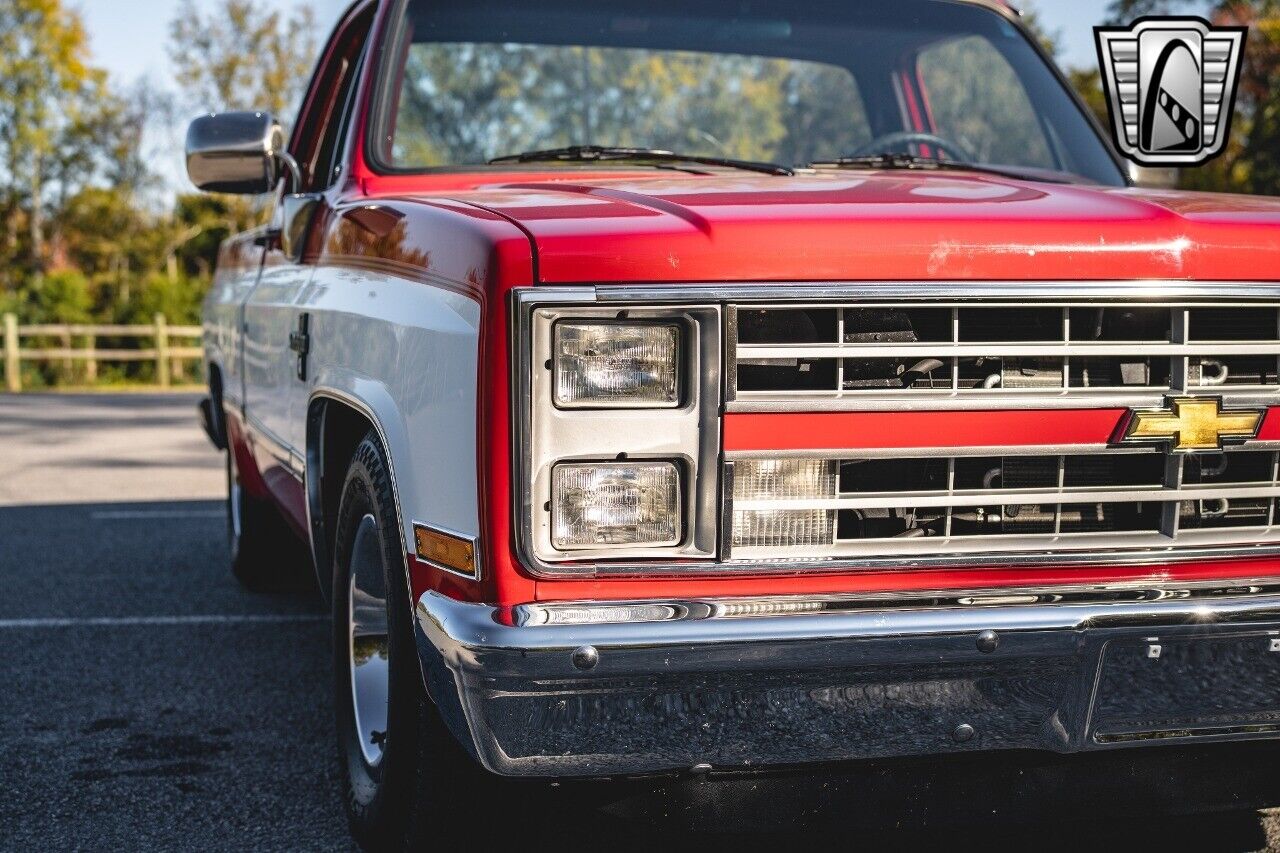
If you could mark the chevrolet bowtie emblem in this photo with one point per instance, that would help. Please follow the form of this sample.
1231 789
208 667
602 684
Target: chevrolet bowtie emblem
1192 424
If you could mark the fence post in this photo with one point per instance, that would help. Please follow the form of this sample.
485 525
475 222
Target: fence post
91 360
162 351
69 361
12 369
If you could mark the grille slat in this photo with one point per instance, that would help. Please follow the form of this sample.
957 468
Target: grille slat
883 351
966 499
935 502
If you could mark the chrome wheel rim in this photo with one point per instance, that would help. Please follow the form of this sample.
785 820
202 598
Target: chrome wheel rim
367 623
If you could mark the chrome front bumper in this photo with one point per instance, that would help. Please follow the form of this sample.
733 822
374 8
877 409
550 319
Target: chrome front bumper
708 691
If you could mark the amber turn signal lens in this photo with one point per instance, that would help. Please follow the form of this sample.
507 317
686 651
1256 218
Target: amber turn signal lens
445 549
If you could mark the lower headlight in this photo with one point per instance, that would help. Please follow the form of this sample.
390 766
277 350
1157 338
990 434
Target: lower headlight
615 503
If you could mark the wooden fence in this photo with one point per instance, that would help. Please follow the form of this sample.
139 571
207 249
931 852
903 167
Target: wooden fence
79 343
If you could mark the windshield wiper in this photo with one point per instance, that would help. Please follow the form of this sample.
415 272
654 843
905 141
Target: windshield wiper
895 160
600 153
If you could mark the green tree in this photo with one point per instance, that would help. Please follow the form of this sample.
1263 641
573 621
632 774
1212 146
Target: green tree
237 55
48 97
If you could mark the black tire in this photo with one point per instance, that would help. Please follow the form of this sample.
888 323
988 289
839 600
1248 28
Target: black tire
266 556
421 779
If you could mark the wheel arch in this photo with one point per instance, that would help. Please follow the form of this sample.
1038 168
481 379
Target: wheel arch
337 421
213 378
212 416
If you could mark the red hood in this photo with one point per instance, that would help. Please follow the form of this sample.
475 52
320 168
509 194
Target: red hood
882 226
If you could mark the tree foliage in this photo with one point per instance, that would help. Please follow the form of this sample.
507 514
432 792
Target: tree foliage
239 55
82 238
51 103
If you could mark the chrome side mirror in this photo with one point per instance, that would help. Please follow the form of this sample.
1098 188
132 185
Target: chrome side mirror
237 152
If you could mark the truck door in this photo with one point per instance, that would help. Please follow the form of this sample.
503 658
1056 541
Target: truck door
239 264
278 332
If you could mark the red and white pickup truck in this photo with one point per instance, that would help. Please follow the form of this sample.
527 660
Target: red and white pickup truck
667 386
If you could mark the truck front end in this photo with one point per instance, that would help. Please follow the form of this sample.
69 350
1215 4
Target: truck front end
850 402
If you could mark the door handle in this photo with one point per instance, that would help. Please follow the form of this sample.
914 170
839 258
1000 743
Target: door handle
300 343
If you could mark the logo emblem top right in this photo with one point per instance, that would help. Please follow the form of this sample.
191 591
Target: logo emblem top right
1171 87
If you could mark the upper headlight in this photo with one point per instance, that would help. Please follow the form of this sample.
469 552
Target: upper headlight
617 365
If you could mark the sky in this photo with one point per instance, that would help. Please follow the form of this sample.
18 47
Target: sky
1073 21
129 38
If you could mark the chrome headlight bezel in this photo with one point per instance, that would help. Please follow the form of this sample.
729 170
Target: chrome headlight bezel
686 435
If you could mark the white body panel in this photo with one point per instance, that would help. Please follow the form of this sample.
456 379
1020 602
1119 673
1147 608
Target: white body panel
407 354
223 312
275 399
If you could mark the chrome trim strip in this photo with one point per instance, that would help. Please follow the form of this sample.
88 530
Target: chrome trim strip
1178 348
275 446
981 606
1128 557
476 627
790 352
950 401
1216 294
962 498
931 452
996 549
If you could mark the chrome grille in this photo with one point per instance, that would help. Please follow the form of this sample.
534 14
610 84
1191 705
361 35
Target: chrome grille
961 352
1173 343
927 503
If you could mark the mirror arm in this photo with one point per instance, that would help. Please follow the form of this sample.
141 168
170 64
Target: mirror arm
295 173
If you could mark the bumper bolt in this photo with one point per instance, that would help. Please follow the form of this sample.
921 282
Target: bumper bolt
586 657
963 733
987 642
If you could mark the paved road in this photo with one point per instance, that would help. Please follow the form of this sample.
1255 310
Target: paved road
147 702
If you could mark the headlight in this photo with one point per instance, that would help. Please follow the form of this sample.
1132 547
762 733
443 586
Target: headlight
616 365
615 503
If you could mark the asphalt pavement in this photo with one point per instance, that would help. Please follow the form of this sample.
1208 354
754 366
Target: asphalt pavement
148 702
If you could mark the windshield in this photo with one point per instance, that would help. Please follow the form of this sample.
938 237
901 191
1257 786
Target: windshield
763 80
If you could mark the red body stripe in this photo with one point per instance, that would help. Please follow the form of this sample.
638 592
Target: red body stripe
905 430
1270 429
